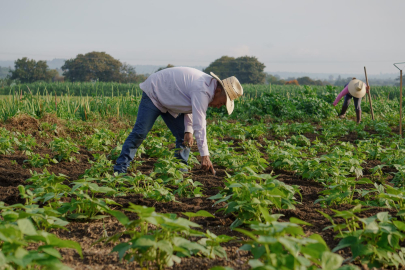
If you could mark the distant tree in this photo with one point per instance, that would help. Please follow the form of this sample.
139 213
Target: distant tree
274 79
28 70
341 81
141 77
56 77
128 74
92 66
308 81
292 82
247 69
162 68
223 67
53 73
250 70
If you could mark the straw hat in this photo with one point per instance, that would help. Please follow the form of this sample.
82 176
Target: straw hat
233 90
357 88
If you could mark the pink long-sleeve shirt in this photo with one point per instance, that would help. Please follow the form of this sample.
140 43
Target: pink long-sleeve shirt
344 92
183 90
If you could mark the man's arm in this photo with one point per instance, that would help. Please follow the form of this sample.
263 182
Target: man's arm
342 94
199 102
188 130
188 123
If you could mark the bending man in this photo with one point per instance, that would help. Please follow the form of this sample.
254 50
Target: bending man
181 96
355 89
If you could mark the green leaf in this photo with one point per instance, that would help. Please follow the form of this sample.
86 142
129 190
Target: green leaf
383 216
250 234
299 221
111 202
55 241
400 225
165 246
255 263
99 217
3 259
145 241
121 249
349 267
331 261
26 226
319 238
122 218
51 251
346 242
201 213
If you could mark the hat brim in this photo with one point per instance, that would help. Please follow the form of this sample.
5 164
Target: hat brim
230 104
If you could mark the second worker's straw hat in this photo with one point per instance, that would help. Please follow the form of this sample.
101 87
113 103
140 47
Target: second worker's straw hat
357 88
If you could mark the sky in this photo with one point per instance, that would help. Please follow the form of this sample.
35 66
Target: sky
292 36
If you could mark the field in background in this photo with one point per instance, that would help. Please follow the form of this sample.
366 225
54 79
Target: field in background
117 89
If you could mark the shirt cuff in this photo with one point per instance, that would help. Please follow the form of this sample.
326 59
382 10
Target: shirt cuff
204 151
189 129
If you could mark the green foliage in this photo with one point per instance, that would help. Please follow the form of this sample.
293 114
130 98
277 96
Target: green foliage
99 167
63 149
165 242
45 187
7 140
101 140
44 218
308 81
36 161
283 245
246 192
28 71
19 232
162 68
92 66
99 66
16 239
247 69
374 240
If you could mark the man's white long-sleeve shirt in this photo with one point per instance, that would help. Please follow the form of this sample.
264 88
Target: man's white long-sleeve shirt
183 90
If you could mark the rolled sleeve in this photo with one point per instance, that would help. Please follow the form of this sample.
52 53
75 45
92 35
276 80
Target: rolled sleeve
199 104
188 123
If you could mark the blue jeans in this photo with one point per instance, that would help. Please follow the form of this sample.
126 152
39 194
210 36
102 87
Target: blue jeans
147 115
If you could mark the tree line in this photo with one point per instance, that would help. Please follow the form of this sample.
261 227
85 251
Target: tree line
100 66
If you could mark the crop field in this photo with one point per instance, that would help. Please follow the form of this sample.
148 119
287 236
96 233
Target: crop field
296 187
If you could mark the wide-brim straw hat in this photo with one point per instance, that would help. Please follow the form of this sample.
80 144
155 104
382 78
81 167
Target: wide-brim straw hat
357 88
233 90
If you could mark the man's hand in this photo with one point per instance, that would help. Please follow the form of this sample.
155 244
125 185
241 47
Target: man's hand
206 164
367 88
188 139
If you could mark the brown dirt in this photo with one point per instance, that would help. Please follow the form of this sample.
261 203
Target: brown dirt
22 123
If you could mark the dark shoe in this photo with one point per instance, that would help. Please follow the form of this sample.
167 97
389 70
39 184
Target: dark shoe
358 116
343 112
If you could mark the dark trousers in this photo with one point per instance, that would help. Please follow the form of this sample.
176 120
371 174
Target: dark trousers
147 115
357 102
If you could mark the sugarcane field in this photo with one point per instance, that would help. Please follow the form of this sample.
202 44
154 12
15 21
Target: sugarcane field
116 161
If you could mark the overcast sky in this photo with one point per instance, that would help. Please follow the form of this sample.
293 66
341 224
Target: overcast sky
295 36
